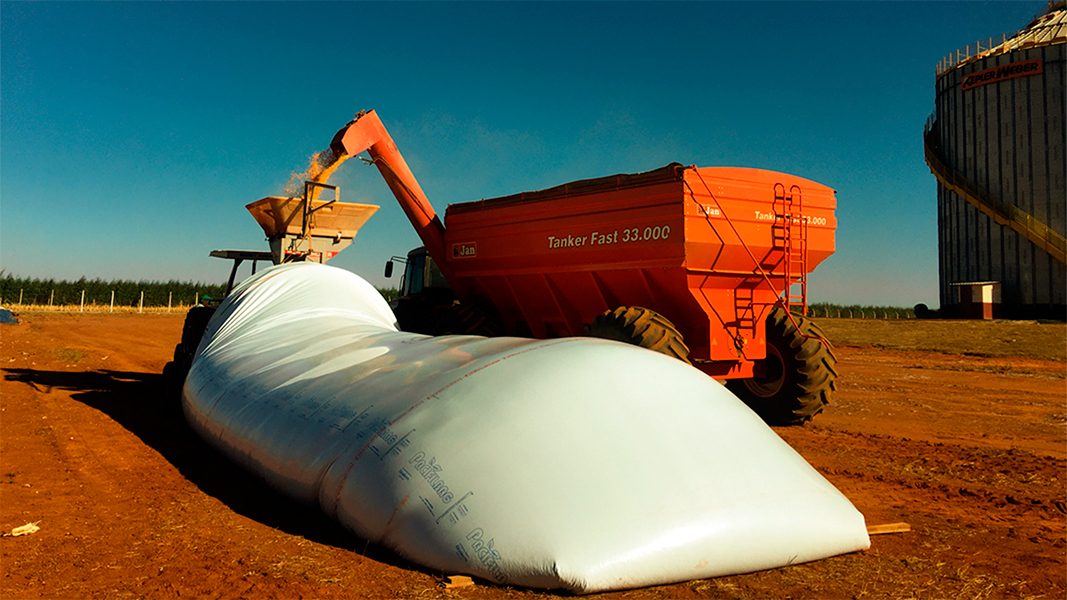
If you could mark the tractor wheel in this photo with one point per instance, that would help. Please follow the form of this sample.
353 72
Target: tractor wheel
196 321
798 375
641 327
171 376
466 319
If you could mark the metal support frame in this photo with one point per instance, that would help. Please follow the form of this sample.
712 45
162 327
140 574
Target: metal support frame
311 190
238 257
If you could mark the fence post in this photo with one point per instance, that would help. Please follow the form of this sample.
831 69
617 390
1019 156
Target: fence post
20 296
196 299
82 309
169 295
51 296
112 309
140 303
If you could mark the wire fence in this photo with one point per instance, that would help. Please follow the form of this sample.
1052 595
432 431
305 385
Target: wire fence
86 304
85 294
855 311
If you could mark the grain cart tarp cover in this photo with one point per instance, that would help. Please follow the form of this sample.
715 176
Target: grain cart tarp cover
571 463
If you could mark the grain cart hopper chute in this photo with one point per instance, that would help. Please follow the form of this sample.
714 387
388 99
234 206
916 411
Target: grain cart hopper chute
298 229
309 228
708 265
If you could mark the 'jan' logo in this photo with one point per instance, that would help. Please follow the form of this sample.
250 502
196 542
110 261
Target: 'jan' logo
465 250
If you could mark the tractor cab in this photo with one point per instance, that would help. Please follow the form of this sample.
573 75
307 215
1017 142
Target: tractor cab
423 296
421 274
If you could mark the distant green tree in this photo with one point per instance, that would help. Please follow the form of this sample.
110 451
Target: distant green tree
98 291
856 311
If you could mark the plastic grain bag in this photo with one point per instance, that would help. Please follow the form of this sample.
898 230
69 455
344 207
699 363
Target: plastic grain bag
571 463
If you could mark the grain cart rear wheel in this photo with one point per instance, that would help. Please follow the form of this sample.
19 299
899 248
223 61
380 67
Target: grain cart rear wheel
798 375
641 327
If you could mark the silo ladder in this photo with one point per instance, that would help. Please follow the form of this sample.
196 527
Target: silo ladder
1002 213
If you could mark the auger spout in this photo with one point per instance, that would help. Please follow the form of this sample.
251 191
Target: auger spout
366 133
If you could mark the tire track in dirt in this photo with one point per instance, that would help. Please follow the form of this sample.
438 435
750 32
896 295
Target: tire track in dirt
998 509
1012 480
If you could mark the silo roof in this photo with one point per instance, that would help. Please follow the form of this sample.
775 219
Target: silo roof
1048 29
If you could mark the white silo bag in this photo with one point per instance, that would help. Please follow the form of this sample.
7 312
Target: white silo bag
571 463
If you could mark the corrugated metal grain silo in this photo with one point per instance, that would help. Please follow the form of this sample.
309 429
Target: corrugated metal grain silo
997 144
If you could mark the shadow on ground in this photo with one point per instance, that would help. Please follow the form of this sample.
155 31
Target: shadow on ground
151 410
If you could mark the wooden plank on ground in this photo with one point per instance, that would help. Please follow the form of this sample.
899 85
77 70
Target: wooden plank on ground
888 528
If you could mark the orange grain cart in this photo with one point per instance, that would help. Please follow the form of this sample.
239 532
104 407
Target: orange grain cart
550 262
699 263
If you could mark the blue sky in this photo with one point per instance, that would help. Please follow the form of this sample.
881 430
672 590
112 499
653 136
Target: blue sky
133 134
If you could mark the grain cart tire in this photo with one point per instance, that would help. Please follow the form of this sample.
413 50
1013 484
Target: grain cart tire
641 327
798 375
465 319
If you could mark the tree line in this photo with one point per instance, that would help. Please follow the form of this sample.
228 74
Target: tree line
34 290
161 293
857 311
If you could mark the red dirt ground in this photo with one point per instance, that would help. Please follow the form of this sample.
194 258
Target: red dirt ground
971 451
